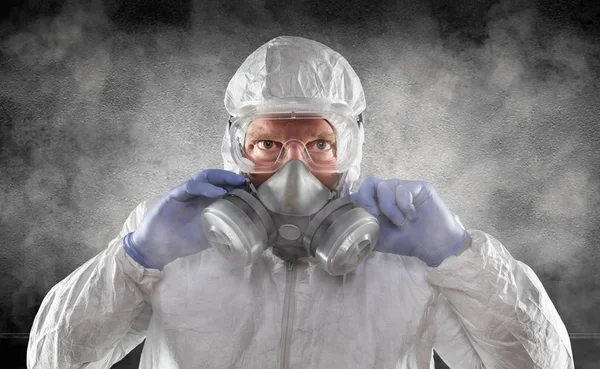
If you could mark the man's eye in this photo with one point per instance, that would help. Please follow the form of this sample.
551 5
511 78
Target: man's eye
322 145
266 144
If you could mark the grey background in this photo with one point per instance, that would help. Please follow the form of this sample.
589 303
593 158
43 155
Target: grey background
106 103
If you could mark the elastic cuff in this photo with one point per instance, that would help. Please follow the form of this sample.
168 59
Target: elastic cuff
455 249
130 249
461 244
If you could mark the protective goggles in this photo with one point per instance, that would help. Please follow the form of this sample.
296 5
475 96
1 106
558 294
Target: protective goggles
320 155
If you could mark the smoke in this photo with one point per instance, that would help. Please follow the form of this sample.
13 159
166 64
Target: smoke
106 104
503 124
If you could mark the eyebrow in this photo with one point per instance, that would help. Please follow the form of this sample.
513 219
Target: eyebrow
261 136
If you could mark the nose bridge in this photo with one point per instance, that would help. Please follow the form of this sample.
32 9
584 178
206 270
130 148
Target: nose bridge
294 149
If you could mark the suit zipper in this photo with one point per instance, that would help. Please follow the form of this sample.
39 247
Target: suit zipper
288 301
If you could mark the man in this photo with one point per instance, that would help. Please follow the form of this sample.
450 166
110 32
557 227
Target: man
292 149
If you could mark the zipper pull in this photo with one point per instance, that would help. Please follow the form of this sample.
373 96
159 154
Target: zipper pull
291 265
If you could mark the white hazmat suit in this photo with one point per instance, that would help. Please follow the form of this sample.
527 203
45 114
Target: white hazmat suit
481 309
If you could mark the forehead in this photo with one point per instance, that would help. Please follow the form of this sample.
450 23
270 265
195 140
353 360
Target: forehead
286 129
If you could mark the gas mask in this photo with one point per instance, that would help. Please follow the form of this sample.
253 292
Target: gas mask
298 216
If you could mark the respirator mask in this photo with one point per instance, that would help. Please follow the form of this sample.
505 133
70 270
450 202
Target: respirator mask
296 215
293 211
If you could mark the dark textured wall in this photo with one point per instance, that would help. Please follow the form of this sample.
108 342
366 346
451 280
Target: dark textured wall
106 103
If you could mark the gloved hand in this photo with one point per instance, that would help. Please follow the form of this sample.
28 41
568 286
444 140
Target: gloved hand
172 229
413 220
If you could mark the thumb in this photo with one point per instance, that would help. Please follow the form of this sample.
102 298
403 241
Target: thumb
190 190
367 195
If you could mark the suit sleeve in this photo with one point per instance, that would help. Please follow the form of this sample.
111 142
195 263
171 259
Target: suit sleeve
97 314
493 312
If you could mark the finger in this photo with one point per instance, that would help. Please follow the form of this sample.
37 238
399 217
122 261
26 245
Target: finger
367 197
386 197
405 200
189 190
219 177
214 183
230 188
204 189
385 244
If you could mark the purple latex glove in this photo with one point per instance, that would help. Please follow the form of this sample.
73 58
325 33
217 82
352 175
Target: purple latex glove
172 229
413 220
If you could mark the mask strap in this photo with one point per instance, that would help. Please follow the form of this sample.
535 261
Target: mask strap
341 189
249 187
